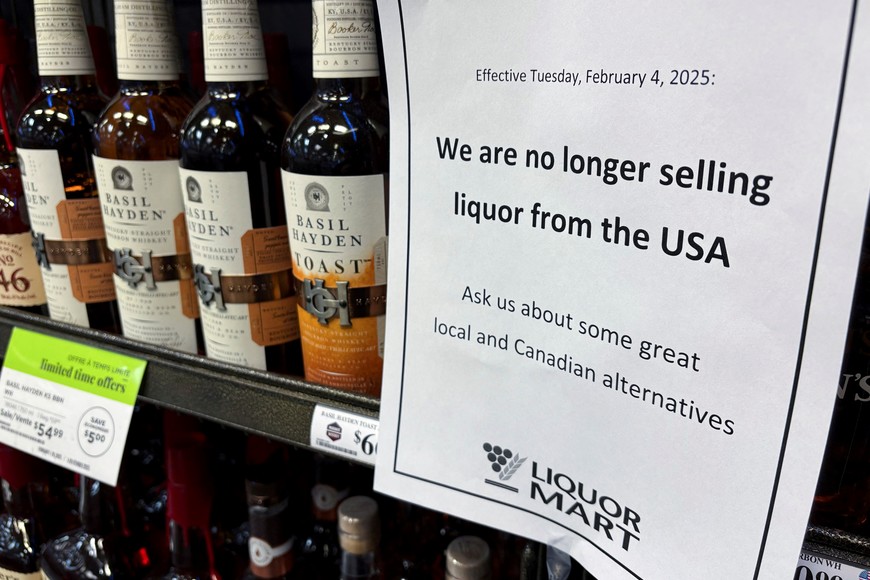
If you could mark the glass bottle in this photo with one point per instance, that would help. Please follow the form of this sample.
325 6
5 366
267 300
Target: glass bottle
231 178
136 153
54 151
271 540
20 278
319 549
359 533
468 558
188 508
97 550
335 183
20 533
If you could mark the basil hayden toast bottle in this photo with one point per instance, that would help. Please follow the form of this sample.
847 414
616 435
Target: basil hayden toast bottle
335 183
231 180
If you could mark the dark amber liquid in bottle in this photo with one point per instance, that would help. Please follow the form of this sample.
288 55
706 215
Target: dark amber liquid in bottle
251 143
143 123
60 117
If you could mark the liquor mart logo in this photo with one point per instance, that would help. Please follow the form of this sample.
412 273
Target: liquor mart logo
505 463
561 496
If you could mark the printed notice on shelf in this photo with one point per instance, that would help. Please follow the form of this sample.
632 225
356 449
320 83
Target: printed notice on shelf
68 403
623 245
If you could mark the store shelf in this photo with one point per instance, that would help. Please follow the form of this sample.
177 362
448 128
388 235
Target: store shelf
838 544
254 401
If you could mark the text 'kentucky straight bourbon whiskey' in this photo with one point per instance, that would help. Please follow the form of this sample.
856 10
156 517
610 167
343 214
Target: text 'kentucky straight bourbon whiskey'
54 151
335 179
231 179
136 157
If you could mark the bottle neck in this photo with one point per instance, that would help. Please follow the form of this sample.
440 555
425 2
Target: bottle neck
18 502
53 84
134 88
98 507
190 549
231 90
271 543
358 566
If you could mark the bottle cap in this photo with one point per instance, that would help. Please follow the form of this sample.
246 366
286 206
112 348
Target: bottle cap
359 525
468 559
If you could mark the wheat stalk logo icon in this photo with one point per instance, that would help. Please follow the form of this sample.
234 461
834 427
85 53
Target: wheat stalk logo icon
504 462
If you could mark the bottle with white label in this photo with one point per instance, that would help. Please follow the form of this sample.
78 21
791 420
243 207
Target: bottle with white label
20 279
335 182
231 181
54 151
136 153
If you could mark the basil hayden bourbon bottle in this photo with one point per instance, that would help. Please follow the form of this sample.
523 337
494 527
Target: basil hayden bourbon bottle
54 151
231 179
136 153
335 186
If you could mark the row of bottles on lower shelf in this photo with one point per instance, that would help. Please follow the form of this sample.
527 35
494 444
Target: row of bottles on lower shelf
199 501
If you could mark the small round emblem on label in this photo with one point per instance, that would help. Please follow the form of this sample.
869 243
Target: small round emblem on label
316 197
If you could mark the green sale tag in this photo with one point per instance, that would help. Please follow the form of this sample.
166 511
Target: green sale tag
93 370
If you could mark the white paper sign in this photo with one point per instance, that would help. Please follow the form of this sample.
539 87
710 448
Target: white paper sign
623 242
812 566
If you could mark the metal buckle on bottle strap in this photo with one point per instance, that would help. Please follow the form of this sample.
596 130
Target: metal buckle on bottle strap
343 301
215 287
151 269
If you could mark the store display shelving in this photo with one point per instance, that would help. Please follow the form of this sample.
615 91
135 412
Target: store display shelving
254 401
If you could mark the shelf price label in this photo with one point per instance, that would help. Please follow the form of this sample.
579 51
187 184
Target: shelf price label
344 434
813 566
68 403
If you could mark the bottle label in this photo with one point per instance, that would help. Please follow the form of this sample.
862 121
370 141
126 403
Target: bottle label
145 230
339 250
345 41
68 237
264 556
20 279
6 574
242 274
145 40
325 499
232 41
62 46
812 566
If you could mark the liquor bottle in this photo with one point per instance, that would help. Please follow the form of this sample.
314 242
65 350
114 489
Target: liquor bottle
320 550
136 153
231 178
20 279
271 540
98 549
468 558
334 175
189 507
359 533
20 533
842 498
54 151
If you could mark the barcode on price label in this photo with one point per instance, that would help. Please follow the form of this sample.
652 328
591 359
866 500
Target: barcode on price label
347 435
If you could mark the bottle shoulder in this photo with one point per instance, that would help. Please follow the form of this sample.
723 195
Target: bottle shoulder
53 117
333 137
141 126
227 133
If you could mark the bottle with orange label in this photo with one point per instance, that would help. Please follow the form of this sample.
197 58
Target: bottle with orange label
54 151
335 192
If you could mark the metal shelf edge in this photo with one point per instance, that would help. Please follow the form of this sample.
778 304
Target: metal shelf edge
258 402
